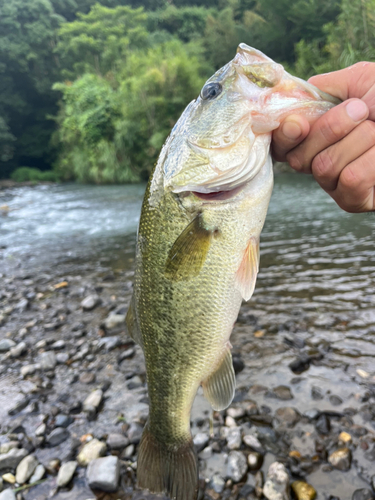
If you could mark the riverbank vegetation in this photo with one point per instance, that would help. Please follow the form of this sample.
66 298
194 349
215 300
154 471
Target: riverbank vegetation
91 90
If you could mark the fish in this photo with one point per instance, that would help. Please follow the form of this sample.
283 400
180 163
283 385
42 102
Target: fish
197 252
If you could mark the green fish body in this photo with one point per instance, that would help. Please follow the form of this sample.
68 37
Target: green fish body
198 252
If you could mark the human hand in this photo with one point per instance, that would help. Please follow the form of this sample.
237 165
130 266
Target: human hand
339 147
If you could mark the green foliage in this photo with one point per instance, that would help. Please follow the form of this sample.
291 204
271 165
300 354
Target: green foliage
27 174
187 23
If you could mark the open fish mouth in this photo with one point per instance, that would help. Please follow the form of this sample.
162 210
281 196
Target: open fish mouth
219 195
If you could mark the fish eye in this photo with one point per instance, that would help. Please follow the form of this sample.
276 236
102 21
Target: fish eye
211 90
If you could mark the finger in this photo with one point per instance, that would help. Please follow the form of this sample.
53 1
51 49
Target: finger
290 133
329 163
327 130
355 190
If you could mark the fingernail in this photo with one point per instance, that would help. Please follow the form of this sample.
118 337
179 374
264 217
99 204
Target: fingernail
357 110
291 130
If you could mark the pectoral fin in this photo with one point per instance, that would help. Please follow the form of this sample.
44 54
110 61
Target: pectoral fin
219 387
247 272
189 251
132 323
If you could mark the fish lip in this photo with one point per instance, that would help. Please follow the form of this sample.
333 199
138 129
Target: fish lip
219 196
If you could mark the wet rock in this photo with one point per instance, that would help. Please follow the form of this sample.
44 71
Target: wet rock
300 365
134 433
90 302
363 494
323 424
25 469
341 459
255 460
47 360
18 350
21 405
4 448
206 453
91 451
236 412
128 353
109 343
104 473
53 466
277 482
335 400
38 474
40 430
303 491
59 344
62 357
6 345
287 415
117 441
217 483
66 473
283 392
29 369
114 321
230 422
200 441
238 364
345 437
316 393
9 478
87 378
236 466
234 438
92 402
7 494
128 452
252 442
11 459
312 414
57 436
62 420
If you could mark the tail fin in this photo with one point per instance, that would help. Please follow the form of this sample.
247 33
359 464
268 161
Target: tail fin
172 472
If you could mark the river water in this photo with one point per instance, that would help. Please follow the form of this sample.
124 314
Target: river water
316 287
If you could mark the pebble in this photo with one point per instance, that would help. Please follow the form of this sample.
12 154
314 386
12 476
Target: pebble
38 474
18 350
29 369
252 442
287 415
303 491
59 344
93 400
87 377
128 353
21 405
11 459
91 451
236 412
234 438
66 473
217 483
25 469
363 494
134 433
255 460
62 420
206 453
236 466
104 473
201 440
90 302
9 478
57 436
47 360
277 482
62 357
114 320
53 465
341 459
7 494
40 430
128 452
345 437
4 448
323 424
117 441
6 345
283 392
109 343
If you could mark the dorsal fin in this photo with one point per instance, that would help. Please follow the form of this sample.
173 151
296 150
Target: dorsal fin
220 386
246 275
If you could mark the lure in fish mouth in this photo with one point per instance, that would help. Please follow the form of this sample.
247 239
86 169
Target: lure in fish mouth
197 252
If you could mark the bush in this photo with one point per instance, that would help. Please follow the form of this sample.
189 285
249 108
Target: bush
28 174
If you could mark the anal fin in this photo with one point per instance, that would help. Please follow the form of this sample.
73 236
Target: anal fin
246 275
220 386
132 323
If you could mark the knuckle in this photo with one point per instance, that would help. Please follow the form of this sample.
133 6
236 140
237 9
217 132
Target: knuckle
322 165
349 179
331 129
369 130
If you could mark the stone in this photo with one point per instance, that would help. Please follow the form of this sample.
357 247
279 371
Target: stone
104 473
5 447
40 430
236 466
255 460
38 474
128 452
341 459
87 377
6 345
128 353
252 442
303 491
363 494
345 437
91 451
90 302
217 483
11 459
117 441
114 320
20 405
93 400
201 440
109 343
66 473
9 478
236 412
312 414
316 393
287 415
277 482
47 360
335 400
57 436
18 350
283 392
29 369
62 420
7 494
53 466
62 357
59 344
206 453
234 438
230 422
25 469
323 424
1 483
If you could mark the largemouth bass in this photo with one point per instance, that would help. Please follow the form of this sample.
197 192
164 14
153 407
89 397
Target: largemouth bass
198 251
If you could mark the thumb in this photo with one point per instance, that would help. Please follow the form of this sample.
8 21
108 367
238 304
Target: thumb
335 83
